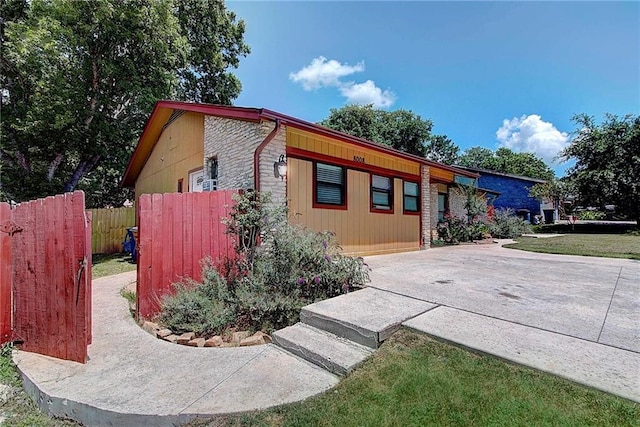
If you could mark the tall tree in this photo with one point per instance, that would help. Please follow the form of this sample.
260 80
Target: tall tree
559 191
400 129
215 43
607 168
80 78
506 161
442 149
477 157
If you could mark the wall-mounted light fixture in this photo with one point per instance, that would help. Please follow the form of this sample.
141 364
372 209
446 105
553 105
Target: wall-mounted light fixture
280 167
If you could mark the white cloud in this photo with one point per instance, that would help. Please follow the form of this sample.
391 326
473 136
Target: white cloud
532 134
323 73
328 73
367 93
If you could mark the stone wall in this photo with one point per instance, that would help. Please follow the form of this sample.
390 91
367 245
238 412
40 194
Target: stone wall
233 143
270 154
457 200
433 198
425 201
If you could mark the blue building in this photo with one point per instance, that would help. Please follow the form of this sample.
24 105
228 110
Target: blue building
513 193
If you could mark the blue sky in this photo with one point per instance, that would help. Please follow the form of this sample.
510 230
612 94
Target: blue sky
486 73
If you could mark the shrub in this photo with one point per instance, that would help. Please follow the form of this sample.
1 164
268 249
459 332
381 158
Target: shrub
506 225
452 229
591 215
264 286
190 309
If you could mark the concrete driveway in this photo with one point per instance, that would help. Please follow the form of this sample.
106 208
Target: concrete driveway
594 299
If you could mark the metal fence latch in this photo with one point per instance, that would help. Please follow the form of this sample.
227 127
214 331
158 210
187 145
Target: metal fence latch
10 227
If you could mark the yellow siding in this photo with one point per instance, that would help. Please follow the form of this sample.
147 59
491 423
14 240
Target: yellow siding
179 149
357 229
441 174
302 140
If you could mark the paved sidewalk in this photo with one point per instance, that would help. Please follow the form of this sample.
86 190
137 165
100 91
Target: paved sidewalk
134 379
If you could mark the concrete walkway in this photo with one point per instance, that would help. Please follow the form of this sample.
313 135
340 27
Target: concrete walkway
134 379
575 317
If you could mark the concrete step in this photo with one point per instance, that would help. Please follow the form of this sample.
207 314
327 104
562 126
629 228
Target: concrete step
368 316
335 354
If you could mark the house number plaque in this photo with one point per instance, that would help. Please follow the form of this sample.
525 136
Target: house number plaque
358 159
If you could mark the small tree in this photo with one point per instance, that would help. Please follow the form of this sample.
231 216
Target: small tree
557 191
607 169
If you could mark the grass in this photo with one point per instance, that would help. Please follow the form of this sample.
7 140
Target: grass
18 409
108 264
601 245
413 380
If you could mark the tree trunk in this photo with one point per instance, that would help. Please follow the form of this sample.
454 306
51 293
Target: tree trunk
82 169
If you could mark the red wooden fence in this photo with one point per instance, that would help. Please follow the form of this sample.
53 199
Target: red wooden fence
50 260
176 231
5 273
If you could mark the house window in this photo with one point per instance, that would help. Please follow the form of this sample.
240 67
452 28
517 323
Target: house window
329 185
443 205
211 184
411 196
381 194
180 181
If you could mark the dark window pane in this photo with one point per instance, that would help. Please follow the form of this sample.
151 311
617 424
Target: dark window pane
411 189
329 184
329 194
410 203
329 173
381 200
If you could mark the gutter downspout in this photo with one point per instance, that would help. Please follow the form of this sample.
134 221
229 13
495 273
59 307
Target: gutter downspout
256 155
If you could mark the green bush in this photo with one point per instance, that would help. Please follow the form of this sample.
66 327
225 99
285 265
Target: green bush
453 230
506 225
591 215
264 286
190 309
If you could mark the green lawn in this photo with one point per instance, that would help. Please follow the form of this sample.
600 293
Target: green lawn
413 380
108 264
18 409
602 245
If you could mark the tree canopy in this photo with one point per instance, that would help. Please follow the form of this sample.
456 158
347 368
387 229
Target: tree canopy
442 149
400 129
607 168
79 80
505 160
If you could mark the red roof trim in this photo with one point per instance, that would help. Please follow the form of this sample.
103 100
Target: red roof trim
257 114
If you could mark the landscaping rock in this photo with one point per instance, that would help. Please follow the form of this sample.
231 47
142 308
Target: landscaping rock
151 328
171 338
186 337
215 341
230 344
162 333
196 342
256 339
240 335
